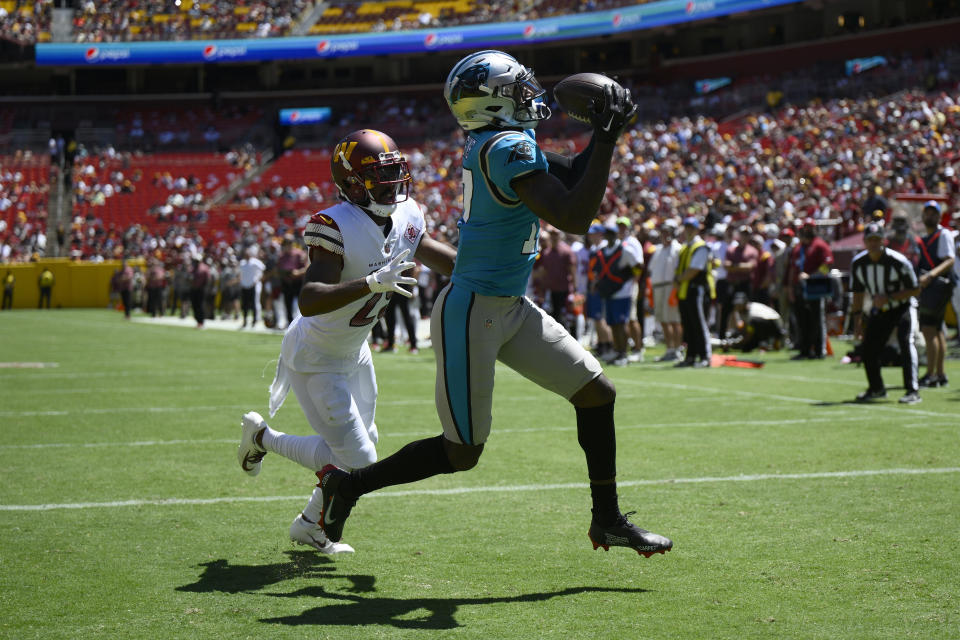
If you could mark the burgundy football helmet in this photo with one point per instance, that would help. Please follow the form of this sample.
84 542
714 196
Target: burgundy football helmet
370 171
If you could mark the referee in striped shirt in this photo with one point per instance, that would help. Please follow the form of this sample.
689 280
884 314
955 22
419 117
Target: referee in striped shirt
890 280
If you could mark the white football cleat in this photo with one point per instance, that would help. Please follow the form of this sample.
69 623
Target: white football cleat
249 453
310 534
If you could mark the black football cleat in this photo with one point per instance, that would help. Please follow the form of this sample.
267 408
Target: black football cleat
626 534
335 508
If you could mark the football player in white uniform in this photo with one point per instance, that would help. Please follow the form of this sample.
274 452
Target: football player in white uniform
358 252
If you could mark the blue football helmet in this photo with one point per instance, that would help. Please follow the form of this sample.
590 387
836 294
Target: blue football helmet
490 88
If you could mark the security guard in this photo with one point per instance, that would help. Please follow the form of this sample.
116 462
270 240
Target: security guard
695 289
890 280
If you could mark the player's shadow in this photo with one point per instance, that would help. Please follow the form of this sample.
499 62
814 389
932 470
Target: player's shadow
415 613
891 398
220 575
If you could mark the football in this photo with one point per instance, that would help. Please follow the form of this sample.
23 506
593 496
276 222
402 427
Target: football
577 94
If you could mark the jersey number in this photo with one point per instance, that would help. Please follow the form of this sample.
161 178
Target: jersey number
530 246
467 192
362 317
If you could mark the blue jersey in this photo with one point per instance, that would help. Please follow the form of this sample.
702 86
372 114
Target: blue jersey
498 233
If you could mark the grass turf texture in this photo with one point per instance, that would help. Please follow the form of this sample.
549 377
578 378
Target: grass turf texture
146 414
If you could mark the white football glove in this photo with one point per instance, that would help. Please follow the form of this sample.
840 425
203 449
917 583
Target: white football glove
388 278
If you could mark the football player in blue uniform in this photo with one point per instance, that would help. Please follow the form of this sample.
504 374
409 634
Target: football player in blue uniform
482 316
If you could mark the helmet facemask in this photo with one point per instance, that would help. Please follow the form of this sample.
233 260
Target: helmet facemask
379 187
527 94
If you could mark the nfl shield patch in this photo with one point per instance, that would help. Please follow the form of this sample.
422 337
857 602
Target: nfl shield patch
411 233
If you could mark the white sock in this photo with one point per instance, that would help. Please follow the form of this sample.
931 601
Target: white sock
312 452
312 510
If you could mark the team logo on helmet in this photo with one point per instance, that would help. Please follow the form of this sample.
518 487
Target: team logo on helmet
469 82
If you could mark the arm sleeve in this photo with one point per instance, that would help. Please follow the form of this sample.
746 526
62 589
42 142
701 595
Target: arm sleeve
945 248
856 283
699 258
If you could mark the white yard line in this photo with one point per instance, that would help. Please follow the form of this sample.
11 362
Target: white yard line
487 489
420 434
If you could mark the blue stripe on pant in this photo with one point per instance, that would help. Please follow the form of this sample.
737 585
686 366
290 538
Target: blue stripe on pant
455 321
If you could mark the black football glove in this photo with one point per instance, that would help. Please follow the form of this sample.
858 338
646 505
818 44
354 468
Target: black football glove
610 118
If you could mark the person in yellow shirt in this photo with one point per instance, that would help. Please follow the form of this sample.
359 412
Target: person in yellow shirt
8 281
45 282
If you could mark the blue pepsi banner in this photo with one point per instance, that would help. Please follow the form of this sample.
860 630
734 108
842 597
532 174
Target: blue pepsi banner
710 84
859 65
501 35
306 115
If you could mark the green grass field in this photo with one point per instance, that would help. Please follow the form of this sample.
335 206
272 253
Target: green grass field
794 512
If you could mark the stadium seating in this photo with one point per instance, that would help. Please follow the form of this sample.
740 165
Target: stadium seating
150 190
24 199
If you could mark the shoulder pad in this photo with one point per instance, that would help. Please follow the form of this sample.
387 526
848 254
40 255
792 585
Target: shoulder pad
322 231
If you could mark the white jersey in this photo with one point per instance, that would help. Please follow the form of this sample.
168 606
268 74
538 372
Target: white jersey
334 341
251 272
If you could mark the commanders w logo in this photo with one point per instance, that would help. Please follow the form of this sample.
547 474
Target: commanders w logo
345 147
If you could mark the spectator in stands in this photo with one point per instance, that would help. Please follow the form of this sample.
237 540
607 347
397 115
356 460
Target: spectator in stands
810 259
937 280
874 203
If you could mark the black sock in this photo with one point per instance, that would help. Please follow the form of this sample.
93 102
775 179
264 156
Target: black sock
416 461
597 438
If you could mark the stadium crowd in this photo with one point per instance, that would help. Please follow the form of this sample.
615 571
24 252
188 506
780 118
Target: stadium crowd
27 22
829 162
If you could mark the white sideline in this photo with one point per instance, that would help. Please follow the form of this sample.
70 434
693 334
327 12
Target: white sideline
487 489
